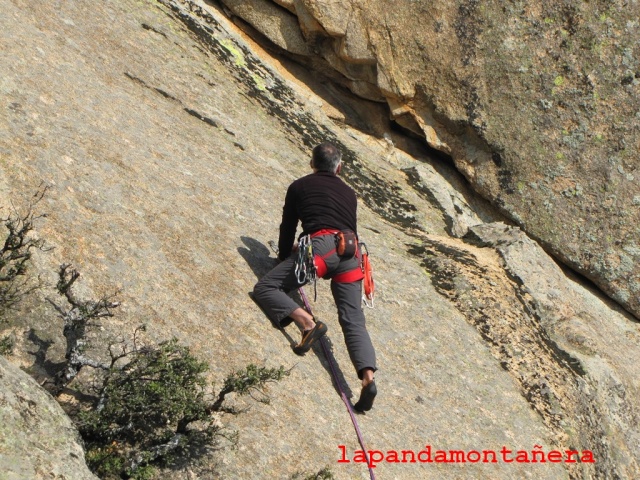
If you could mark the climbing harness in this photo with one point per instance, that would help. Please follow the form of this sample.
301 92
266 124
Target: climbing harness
369 285
307 270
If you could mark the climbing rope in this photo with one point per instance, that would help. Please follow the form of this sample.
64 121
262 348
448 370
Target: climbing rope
334 373
304 271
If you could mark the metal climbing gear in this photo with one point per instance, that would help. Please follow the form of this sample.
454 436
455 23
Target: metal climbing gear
305 266
306 271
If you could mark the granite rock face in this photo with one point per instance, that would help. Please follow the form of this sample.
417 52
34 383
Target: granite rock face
37 439
169 137
539 106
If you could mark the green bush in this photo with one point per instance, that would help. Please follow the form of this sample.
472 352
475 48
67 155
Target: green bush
156 408
150 396
324 474
153 404
145 408
6 346
251 379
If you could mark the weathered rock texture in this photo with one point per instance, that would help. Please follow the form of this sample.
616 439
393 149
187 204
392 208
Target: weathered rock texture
539 105
37 440
169 140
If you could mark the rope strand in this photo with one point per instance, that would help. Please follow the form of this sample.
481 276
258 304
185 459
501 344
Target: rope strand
346 401
302 271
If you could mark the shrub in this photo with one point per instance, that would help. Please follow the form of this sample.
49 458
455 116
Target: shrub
324 474
155 408
6 346
152 402
15 255
145 408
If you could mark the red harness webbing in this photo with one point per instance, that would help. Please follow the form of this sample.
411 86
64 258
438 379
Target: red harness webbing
321 266
367 272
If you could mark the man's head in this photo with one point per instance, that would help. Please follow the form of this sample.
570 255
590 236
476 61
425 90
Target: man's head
326 158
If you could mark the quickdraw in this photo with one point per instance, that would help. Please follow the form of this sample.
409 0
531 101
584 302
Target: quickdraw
305 265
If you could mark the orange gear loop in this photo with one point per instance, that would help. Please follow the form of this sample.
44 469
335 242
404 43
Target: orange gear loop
369 285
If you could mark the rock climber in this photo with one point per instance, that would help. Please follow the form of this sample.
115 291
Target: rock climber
325 206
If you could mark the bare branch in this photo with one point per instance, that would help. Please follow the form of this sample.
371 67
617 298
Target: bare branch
76 321
157 451
16 252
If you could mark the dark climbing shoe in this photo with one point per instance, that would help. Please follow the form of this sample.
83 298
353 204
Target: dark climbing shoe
309 337
367 395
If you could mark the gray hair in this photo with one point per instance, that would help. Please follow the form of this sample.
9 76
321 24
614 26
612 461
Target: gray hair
326 157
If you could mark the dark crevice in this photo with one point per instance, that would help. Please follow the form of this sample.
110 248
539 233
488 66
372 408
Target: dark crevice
281 103
144 84
190 111
199 116
152 29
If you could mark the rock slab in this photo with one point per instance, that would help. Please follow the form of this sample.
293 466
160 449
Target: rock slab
539 106
37 439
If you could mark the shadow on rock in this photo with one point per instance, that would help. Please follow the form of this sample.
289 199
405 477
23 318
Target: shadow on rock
257 256
41 363
338 380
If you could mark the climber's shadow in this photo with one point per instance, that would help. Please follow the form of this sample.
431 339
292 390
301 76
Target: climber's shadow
257 256
342 384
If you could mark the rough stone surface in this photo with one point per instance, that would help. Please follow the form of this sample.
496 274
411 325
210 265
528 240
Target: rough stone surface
277 24
460 210
539 106
169 139
37 439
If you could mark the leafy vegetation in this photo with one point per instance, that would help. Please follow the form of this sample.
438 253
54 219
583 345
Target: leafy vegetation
324 474
152 404
6 346
147 405
155 409
144 409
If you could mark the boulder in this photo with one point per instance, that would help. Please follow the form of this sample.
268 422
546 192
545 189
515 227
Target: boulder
37 439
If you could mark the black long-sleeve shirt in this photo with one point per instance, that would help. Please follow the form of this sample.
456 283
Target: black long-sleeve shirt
320 200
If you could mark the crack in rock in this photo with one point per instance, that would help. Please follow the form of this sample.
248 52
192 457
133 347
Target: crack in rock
551 379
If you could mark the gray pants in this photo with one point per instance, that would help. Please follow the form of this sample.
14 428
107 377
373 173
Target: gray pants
271 293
